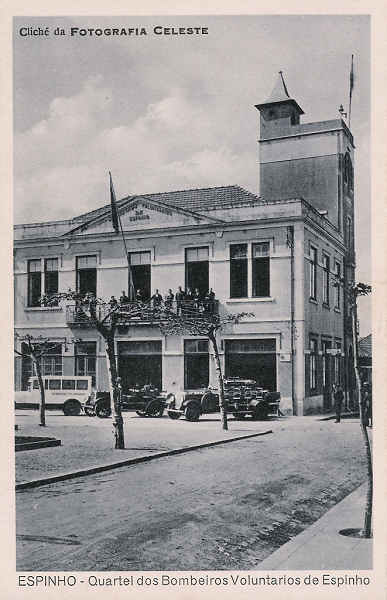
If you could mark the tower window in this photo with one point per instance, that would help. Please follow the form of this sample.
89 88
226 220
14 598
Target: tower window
348 172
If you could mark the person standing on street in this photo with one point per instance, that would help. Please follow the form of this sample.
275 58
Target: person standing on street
338 396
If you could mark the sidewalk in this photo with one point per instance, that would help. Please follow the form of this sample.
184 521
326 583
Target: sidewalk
322 547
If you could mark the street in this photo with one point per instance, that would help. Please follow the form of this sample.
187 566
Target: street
225 507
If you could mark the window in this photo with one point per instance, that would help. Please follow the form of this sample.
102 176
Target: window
196 269
41 281
68 384
313 273
325 364
261 270
196 364
54 384
348 172
52 361
349 233
51 364
338 285
34 282
140 264
326 269
86 359
238 271
312 365
81 385
87 275
50 276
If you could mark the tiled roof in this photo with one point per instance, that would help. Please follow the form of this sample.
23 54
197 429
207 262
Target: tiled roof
198 200
365 346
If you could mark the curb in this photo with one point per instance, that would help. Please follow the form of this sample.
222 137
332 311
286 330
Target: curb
47 443
354 415
130 461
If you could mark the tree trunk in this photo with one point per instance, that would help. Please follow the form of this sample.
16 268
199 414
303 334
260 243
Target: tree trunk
115 400
42 404
368 508
222 402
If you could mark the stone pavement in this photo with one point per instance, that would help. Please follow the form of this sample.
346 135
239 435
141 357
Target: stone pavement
87 442
322 547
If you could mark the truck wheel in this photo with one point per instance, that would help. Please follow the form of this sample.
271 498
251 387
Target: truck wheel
72 408
141 412
174 415
260 413
239 416
102 411
192 412
154 409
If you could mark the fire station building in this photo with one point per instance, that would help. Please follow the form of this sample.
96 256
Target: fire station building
271 255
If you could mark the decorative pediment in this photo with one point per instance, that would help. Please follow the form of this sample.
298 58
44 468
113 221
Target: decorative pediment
142 213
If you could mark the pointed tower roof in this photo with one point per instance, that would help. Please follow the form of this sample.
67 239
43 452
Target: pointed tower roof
280 94
280 91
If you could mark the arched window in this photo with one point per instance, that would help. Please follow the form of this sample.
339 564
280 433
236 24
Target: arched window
348 171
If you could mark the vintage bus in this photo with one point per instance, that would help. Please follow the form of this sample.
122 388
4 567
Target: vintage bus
66 392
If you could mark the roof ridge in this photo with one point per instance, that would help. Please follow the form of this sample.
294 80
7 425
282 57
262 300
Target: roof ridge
122 201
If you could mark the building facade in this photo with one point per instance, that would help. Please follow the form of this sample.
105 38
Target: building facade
273 255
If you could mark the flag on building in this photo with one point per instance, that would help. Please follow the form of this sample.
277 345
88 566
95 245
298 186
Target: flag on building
115 218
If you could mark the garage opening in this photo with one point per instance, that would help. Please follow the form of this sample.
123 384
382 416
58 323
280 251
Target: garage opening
140 363
252 359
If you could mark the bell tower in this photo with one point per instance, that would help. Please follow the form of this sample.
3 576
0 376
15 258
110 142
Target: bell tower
313 161
279 111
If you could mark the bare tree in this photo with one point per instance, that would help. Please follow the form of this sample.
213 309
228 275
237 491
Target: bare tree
193 322
354 290
105 316
35 348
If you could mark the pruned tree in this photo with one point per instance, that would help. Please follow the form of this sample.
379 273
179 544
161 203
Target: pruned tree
35 348
190 321
353 291
105 316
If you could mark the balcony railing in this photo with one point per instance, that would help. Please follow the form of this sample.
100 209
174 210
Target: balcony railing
144 313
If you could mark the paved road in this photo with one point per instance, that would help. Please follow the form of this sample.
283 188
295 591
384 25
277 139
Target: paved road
225 507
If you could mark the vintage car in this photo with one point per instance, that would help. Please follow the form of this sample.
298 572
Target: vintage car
243 397
193 404
146 400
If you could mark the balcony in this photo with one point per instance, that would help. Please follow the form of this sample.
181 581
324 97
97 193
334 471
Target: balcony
144 313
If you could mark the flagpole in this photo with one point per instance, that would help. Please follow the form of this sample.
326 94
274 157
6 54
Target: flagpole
130 278
350 93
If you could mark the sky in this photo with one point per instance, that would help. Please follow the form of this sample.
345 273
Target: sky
166 112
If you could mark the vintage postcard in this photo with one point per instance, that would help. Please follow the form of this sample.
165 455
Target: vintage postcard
194 354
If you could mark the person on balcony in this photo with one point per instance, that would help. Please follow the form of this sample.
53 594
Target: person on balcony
157 299
124 298
180 297
113 302
197 299
169 300
138 296
209 301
